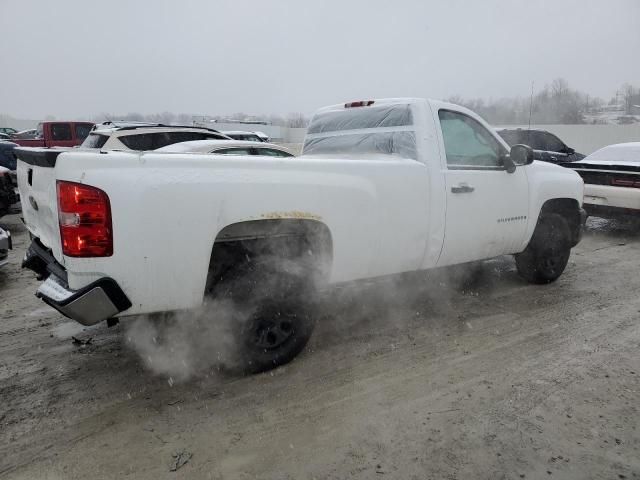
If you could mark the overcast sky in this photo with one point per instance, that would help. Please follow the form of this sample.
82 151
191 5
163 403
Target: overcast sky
74 57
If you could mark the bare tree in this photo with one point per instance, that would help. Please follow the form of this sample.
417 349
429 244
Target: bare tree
631 97
554 103
296 120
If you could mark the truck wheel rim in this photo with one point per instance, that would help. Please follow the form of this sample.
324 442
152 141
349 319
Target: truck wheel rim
268 332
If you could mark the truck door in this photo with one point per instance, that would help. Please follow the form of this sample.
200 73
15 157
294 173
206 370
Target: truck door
486 206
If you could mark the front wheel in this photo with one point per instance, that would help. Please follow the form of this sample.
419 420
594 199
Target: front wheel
547 254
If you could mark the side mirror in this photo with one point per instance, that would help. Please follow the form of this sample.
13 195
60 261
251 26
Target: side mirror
569 151
521 155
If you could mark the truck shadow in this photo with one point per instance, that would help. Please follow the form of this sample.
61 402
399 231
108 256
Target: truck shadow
440 300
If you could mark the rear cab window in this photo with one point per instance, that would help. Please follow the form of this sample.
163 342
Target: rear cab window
61 131
366 130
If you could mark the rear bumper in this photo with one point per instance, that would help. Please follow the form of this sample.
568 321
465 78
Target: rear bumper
89 305
97 301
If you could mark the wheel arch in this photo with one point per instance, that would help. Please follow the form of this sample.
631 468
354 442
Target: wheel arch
570 209
295 239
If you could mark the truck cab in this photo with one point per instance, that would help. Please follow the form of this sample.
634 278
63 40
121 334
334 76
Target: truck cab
58 134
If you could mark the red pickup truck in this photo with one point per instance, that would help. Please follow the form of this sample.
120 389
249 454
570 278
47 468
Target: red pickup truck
57 134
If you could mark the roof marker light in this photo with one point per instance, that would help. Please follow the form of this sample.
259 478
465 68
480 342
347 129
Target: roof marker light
361 103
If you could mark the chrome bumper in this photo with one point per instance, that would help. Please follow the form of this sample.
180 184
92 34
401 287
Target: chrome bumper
89 305
92 304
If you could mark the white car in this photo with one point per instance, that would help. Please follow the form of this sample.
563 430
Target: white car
611 180
263 136
227 147
144 136
383 187
26 134
242 135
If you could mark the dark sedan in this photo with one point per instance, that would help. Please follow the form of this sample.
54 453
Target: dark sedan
546 146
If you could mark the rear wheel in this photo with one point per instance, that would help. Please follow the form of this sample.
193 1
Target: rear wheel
273 315
547 254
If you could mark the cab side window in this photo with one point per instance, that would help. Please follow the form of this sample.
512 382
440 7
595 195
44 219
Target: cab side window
467 143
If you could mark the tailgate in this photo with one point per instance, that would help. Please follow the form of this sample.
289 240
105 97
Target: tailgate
37 186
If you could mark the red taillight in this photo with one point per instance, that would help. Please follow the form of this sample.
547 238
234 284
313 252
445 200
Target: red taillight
84 215
362 103
623 182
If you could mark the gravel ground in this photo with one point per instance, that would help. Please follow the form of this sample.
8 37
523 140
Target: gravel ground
420 377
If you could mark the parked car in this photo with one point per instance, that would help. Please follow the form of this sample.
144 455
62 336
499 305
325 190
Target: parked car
246 136
7 156
145 136
383 187
8 131
57 134
546 146
227 147
25 134
8 194
263 136
611 180
5 245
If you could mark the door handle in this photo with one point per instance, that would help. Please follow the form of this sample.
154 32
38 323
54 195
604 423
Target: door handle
462 188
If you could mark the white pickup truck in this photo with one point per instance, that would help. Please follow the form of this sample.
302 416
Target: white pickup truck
382 187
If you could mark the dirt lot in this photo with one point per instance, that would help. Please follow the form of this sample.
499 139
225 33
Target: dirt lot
497 379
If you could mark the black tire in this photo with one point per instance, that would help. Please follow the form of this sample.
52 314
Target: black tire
273 315
547 254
